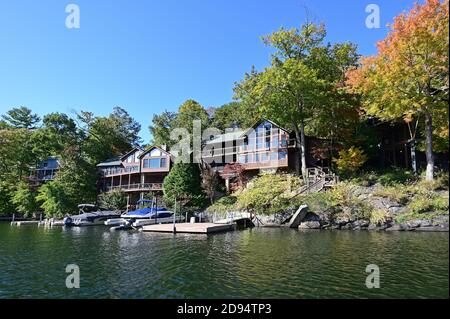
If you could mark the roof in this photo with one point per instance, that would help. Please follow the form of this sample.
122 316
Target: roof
115 161
230 136
265 120
151 148
133 150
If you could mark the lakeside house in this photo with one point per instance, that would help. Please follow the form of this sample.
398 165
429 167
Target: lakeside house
137 172
44 171
265 146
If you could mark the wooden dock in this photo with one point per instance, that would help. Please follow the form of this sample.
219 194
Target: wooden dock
195 228
25 222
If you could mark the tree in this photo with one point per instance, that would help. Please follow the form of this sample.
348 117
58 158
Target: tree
110 136
24 199
288 93
113 200
74 184
210 181
408 77
161 127
302 89
21 117
227 116
183 184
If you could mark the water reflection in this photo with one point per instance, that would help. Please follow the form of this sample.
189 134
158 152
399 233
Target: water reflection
256 263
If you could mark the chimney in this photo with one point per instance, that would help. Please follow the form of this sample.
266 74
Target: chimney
164 147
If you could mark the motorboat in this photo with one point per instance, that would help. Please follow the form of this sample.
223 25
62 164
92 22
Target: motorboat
89 215
143 216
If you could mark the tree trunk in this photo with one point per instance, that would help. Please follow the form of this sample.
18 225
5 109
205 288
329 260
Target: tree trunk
303 148
429 147
413 156
299 149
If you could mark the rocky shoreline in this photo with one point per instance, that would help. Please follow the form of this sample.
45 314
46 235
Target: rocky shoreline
346 216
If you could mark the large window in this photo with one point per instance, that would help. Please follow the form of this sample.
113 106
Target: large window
155 163
283 155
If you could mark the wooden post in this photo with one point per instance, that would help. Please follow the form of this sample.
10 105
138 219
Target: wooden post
174 217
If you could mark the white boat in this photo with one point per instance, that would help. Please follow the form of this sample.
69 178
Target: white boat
144 216
89 216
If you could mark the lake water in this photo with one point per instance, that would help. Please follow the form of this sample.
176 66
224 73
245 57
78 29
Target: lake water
253 263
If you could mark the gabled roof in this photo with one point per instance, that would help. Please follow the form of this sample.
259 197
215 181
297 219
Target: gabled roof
148 150
130 152
230 136
264 120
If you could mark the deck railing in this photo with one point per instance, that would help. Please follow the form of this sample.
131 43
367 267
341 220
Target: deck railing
120 171
136 187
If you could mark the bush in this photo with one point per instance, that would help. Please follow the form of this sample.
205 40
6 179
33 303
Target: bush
268 193
113 200
428 202
397 193
378 217
350 160
223 205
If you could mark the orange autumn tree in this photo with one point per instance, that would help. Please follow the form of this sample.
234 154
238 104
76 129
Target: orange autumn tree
408 77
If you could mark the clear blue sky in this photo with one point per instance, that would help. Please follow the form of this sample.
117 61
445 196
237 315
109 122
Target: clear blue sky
148 56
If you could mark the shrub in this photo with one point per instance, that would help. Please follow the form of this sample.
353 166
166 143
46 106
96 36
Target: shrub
223 205
428 202
268 193
113 200
397 193
378 217
350 160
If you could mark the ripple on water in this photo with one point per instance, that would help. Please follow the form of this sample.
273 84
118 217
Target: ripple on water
257 263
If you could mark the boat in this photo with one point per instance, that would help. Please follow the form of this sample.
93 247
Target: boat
143 216
89 215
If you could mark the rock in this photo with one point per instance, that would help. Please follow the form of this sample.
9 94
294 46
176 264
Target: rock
414 223
398 227
309 225
347 226
335 226
373 227
361 223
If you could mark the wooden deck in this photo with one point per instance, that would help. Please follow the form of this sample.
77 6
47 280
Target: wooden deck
196 228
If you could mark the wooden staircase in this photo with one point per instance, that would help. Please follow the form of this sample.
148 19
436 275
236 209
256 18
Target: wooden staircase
318 179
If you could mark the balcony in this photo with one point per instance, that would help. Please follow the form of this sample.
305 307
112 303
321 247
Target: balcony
137 187
119 171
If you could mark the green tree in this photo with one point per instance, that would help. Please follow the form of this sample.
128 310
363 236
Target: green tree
184 185
113 200
161 127
227 116
24 199
75 183
303 88
21 117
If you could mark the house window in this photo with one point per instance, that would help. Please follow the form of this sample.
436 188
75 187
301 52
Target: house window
155 163
256 157
264 157
273 156
268 142
283 155
283 141
163 162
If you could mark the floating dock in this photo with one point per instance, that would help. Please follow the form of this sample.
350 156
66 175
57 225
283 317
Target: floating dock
25 222
194 228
